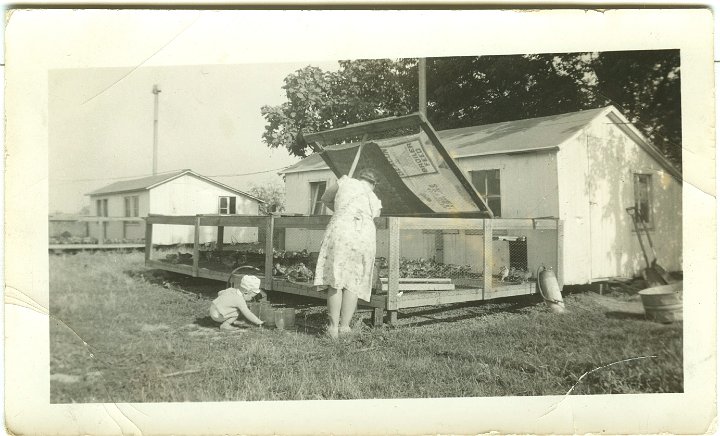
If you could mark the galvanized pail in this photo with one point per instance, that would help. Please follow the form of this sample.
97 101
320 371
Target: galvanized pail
285 318
663 303
267 314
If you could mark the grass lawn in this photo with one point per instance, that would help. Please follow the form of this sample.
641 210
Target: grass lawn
122 333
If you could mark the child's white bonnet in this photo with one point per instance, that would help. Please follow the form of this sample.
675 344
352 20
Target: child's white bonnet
250 283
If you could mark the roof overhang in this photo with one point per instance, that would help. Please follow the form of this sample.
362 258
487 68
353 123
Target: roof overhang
508 153
105 194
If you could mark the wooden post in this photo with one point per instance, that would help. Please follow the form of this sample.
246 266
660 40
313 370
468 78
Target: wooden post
393 317
393 263
378 313
101 231
422 86
196 248
270 226
560 239
220 237
148 240
487 257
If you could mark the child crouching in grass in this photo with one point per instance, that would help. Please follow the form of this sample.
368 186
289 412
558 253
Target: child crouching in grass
232 302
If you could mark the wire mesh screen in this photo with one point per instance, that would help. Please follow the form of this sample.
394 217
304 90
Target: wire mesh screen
219 248
296 252
446 258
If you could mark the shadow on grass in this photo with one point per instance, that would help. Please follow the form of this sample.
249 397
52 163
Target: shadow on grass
625 315
474 309
311 325
206 322
201 287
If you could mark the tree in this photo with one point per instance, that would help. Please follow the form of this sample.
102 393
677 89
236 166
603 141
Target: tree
467 91
489 89
645 85
272 194
361 90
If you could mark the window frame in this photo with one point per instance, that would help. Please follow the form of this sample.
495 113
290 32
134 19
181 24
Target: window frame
132 206
316 197
231 205
484 192
101 207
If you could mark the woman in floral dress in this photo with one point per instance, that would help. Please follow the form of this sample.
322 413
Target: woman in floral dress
347 254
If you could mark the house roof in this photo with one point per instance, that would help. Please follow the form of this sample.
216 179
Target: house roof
310 163
519 136
530 134
147 183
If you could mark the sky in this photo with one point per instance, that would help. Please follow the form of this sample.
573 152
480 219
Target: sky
100 125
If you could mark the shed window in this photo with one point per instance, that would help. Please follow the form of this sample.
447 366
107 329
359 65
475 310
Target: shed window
132 206
317 207
101 207
487 184
643 198
227 206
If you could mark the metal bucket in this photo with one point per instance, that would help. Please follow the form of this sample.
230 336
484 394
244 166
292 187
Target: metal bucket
663 303
285 318
267 314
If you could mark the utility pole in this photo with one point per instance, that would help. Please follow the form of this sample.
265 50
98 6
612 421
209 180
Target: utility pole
156 91
422 108
422 87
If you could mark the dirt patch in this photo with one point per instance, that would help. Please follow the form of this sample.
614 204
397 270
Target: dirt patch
65 378
631 306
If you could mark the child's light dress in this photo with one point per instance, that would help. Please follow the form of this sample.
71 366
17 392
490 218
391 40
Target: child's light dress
347 253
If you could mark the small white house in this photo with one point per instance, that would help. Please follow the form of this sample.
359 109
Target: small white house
181 192
583 167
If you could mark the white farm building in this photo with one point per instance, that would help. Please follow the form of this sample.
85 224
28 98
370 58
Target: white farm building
584 168
181 192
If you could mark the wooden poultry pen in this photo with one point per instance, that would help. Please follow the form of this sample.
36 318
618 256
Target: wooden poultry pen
437 242
396 237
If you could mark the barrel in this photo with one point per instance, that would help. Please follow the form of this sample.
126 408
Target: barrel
663 303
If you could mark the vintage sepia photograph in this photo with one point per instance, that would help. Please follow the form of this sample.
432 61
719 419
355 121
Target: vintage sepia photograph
450 221
278 228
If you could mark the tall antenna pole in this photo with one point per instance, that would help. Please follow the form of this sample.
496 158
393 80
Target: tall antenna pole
422 87
156 91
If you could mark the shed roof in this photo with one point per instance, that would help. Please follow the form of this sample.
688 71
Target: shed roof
530 134
149 182
519 136
310 163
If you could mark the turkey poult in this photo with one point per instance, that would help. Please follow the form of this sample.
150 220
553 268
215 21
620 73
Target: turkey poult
504 273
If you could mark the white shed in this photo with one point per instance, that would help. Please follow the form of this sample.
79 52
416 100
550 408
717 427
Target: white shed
181 192
583 167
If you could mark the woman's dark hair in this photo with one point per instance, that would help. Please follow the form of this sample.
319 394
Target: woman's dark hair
368 174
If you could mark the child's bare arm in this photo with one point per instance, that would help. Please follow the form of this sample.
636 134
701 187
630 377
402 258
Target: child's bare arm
245 310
